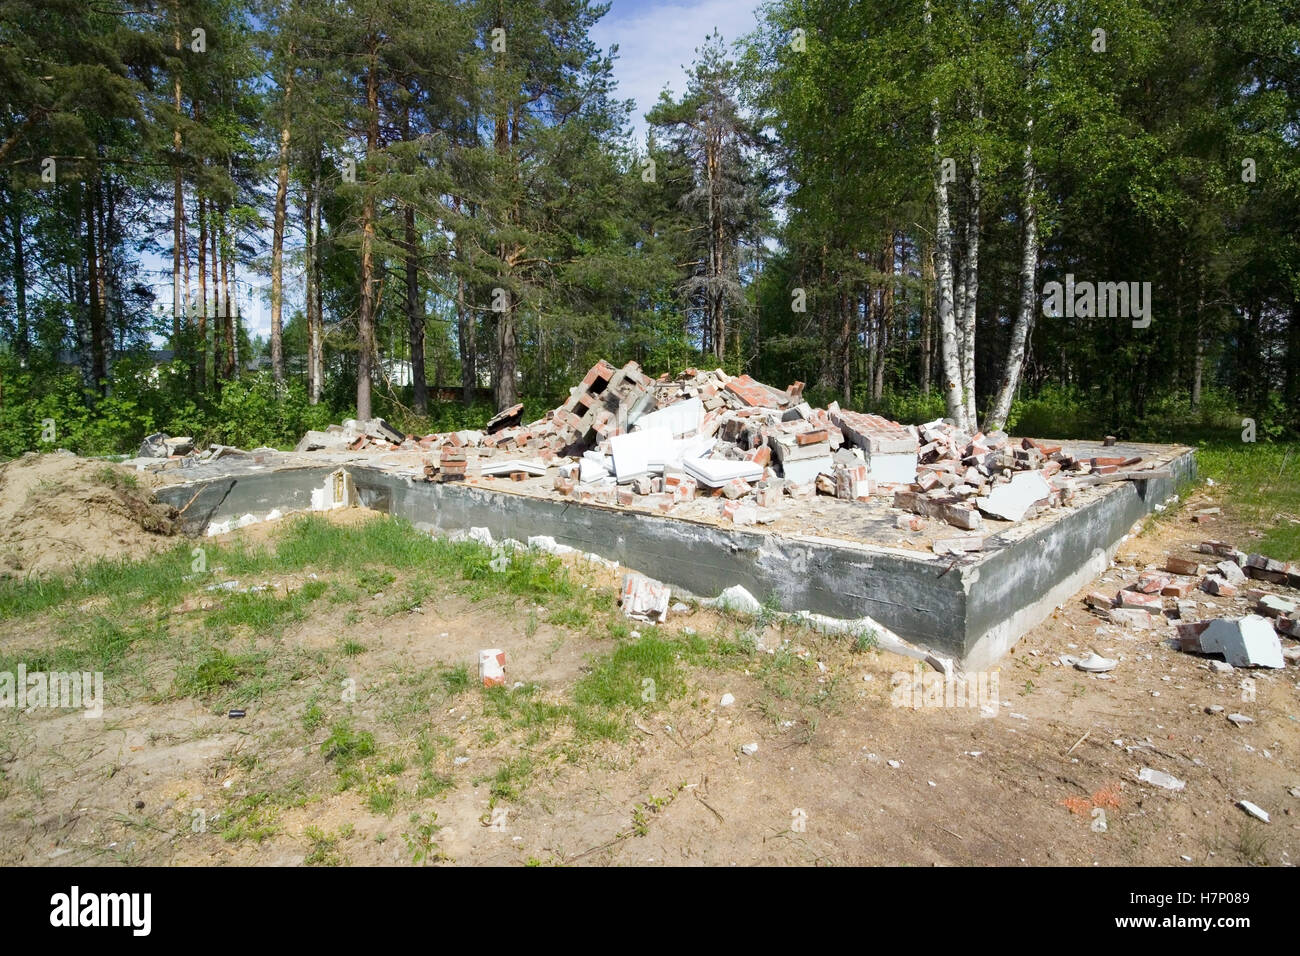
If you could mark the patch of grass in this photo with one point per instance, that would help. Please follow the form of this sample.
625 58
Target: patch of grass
455 679
312 718
635 676
35 785
1252 844
324 848
252 818
374 580
863 640
1260 481
344 745
117 479
217 670
352 648
520 709
381 796
433 784
412 598
263 611
510 779
571 614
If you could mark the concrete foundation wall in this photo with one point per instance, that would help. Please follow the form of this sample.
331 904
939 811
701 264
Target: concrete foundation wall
972 610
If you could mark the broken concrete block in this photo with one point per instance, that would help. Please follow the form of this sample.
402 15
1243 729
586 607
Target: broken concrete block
1100 601
1012 500
1245 642
737 599
154 446
801 491
592 470
909 522
767 494
1256 811
716 472
492 667
1130 617
643 598
958 545
1231 572
680 419
807 469
1270 605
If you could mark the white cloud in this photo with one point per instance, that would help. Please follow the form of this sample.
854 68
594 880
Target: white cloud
657 42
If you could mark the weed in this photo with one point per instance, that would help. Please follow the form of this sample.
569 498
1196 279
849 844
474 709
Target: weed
323 850
421 844
218 669
345 745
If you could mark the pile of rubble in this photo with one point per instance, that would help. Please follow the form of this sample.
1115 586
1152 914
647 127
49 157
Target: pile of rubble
624 438
1253 640
160 452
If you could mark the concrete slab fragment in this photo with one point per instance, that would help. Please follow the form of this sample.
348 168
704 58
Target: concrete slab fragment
1248 642
1011 501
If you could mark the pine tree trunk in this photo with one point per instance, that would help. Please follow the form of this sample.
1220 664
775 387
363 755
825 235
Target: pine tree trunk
466 329
201 358
105 280
846 348
717 313
277 231
315 358
178 195
415 318
214 228
23 345
228 315
1198 361
93 286
366 319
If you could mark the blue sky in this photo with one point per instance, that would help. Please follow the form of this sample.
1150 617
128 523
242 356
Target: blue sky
657 40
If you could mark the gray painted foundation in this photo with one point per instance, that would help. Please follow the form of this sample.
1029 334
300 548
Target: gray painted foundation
973 609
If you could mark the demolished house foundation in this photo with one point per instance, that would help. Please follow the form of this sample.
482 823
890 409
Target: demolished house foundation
956 543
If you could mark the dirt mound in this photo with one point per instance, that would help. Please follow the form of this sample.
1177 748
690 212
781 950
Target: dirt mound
58 510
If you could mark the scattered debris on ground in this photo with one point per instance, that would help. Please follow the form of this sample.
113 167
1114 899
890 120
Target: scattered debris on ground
1164 597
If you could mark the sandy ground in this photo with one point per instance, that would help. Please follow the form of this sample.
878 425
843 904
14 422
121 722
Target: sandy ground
58 510
840 774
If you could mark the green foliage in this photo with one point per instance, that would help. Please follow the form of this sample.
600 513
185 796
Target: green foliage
217 670
345 745
256 411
